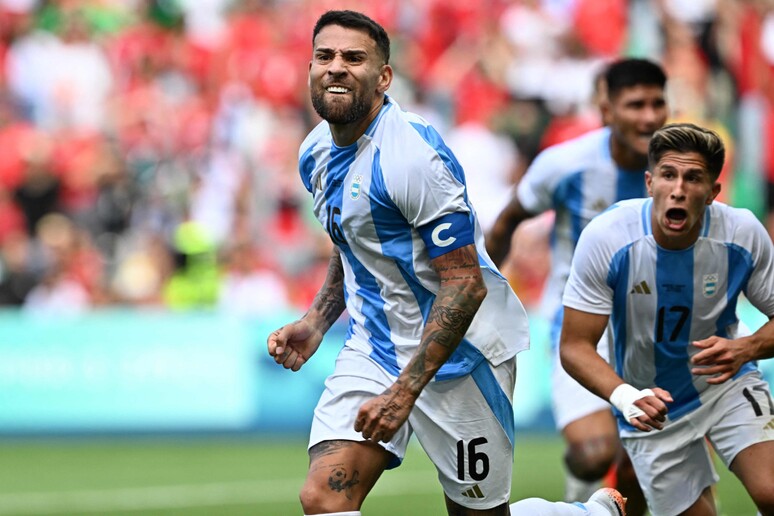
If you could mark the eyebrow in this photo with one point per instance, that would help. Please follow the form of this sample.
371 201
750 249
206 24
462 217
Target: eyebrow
672 168
346 52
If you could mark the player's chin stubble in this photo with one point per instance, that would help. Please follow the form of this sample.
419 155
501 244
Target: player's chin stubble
340 113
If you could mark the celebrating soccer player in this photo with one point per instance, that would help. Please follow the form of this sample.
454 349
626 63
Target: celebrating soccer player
667 271
434 328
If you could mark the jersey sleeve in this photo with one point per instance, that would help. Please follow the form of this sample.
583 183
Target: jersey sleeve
430 193
536 189
588 288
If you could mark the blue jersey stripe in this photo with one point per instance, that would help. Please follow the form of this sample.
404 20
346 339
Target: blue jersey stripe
306 167
495 397
569 194
434 140
707 218
394 234
368 288
618 280
740 267
671 334
645 214
629 185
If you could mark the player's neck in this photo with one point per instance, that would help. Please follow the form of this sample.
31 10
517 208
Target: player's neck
347 134
626 158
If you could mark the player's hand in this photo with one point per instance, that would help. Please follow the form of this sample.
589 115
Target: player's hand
644 409
654 410
293 344
721 358
380 418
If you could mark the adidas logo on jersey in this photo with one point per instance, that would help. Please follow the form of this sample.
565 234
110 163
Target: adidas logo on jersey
474 492
769 426
641 288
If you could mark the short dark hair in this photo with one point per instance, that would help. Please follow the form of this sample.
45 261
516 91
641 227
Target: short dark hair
685 137
629 72
358 21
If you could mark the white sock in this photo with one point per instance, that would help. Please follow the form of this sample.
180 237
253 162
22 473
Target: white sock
348 513
540 507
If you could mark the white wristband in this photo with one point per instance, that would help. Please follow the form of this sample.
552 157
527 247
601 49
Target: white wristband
623 398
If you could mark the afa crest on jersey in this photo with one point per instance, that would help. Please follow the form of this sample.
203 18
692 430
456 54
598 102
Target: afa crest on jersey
354 191
710 284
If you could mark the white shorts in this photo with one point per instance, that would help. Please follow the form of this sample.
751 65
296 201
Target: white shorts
570 400
465 425
674 466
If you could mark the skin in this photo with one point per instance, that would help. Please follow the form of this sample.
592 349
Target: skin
348 59
347 81
634 114
679 183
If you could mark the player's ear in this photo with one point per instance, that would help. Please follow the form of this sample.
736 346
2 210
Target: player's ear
649 182
606 110
385 78
716 187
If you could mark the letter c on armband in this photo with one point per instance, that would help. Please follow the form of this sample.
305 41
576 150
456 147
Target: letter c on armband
446 242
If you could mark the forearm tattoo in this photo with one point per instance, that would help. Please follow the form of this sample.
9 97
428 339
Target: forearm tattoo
329 301
460 294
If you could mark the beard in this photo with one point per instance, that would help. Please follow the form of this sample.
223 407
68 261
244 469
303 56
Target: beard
340 112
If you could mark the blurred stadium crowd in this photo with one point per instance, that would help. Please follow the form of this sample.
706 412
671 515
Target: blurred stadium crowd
148 148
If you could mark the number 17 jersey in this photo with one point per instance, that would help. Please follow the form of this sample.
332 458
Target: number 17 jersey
660 301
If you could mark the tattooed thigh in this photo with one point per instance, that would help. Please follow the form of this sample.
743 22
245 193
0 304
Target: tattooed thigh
346 467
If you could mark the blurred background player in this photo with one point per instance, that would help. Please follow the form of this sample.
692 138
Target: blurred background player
579 179
667 272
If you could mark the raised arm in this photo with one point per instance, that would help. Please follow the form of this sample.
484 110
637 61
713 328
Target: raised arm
460 294
498 241
581 331
293 344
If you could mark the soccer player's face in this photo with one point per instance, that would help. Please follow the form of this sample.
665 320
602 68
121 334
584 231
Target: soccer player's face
347 75
682 188
634 114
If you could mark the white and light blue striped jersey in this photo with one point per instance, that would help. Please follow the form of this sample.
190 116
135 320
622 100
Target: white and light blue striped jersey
391 202
662 300
578 179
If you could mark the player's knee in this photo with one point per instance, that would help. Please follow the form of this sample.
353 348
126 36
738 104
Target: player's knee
591 460
315 499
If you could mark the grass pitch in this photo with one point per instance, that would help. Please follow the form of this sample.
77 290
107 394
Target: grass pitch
239 476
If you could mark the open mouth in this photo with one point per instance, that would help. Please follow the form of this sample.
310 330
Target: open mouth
676 218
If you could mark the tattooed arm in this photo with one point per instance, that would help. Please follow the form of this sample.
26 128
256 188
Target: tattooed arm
293 344
460 294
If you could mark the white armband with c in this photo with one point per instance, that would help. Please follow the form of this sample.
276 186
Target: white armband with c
623 398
